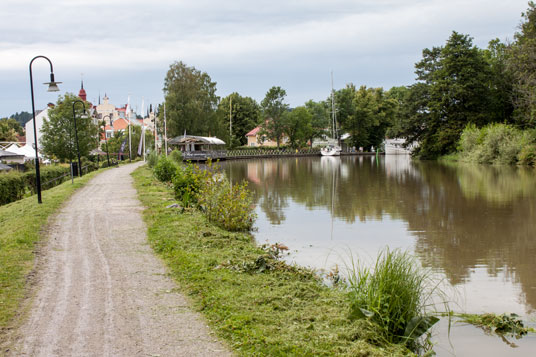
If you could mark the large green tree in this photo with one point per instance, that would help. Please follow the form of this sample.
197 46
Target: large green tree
191 102
245 115
400 97
501 81
371 114
453 90
522 66
344 107
58 139
319 119
274 110
298 126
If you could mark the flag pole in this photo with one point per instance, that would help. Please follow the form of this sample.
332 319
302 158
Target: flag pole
143 128
165 127
129 132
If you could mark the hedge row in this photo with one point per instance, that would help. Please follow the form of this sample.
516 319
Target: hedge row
14 185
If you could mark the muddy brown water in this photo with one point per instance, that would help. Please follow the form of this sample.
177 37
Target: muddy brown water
474 226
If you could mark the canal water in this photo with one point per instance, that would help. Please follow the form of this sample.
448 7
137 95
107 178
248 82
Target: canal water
473 226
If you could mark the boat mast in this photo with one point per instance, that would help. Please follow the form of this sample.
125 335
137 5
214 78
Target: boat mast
333 119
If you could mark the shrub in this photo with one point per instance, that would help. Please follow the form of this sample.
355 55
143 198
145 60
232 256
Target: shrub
104 163
186 184
498 144
12 187
469 139
152 159
176 156
50 176
228 206
527 155
164 169
394 295
88 166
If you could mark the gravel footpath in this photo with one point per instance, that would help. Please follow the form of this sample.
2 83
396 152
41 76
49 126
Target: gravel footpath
101 291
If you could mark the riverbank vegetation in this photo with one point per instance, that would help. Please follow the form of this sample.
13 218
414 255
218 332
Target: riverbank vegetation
23 227
502 325
398 296
257 303
500 144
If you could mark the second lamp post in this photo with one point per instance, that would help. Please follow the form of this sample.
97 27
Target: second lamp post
76 136
106 138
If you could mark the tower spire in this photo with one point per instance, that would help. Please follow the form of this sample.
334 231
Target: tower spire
82 94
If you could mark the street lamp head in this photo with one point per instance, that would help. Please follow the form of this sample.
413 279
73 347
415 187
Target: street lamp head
52 85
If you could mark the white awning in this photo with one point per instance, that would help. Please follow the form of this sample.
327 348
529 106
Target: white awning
183 139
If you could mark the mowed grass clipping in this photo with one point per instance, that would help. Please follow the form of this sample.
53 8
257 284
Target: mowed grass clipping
22 226
260 306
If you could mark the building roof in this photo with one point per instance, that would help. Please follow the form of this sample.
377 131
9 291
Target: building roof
183 139
5 167
254 132
120 124
10 154
25 150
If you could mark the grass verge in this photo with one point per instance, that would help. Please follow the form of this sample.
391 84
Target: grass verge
259 305
22 228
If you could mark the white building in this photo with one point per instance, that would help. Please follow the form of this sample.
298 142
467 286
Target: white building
29 127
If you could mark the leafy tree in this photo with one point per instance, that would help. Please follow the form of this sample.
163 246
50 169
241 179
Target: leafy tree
191 101
400 96
9 128
22 118
501 81
345 108
245 116
372 113
58 136
114 143
298 126
454 91
523 68
319 119
274 110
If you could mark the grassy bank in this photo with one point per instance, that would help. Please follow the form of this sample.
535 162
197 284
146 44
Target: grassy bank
259 305
22 228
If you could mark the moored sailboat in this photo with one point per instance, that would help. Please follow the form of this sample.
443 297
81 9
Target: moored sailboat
333 148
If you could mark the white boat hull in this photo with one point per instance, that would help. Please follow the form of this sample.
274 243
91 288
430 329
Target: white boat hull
396 147
330 151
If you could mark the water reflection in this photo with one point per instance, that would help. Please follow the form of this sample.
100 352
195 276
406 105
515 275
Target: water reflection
472 223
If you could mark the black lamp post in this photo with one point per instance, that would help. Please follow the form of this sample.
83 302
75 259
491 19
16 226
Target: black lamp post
106 138
52 87
76 135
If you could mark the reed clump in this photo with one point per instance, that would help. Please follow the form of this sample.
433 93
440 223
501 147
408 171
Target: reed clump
396 295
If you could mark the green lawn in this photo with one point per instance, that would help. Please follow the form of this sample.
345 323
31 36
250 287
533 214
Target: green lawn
260 306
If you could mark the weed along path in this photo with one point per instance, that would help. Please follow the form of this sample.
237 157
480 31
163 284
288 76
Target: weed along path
100 290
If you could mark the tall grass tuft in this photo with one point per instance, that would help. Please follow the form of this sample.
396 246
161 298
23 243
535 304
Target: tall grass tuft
396 294
152 159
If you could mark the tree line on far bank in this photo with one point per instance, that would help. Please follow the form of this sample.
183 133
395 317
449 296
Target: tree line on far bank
457 85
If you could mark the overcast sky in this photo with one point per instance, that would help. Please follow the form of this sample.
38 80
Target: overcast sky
246 46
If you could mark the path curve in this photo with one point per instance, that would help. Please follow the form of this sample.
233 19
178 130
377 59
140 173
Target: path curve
101 291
